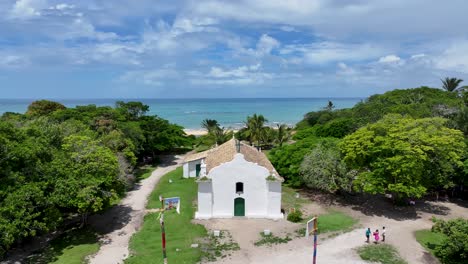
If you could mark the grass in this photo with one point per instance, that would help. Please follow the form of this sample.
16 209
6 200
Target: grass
429 240
72 247
289 200
144 172
145 245
335 221
271 240
381 253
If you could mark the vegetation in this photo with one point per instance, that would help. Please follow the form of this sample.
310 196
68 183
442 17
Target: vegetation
381 253
62 163
404 156
271 239
451 84
145 245
295 216
404 142
219 246
71 247
429 239
323 168
451 245
335 221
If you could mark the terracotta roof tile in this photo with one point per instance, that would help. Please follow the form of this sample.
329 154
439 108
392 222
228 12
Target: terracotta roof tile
225 153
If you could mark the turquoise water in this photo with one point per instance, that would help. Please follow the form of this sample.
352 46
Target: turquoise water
189 113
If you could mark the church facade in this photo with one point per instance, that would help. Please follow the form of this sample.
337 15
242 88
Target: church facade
235 180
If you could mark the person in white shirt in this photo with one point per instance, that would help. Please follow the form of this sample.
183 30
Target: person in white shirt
383 234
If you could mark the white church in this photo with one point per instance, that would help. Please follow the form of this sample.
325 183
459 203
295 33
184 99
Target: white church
235 180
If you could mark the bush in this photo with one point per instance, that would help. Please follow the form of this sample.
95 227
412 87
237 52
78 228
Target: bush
454 249
295 216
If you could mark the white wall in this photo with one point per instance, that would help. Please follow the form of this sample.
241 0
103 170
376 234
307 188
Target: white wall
274 199
205 200
256 190
190 168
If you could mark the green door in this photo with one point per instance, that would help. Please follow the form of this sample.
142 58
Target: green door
239 207
197 169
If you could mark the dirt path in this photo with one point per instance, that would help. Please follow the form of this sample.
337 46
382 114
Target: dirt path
121 222
401 223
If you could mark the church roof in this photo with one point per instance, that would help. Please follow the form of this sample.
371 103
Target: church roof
225 153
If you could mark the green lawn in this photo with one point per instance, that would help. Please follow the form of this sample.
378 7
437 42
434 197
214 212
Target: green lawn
381 253
335 221
145 245
429 240
70 248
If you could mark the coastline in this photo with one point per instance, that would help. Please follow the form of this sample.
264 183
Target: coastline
201 132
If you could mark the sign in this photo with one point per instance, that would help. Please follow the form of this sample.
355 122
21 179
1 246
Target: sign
172 203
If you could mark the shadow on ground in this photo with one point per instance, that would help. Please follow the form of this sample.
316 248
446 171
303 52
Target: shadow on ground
377 205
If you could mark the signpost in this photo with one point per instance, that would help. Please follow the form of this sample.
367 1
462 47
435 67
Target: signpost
312 227
167 204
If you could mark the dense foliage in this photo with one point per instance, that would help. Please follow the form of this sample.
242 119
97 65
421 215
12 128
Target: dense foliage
405 142
454 249
404 156
323 168
58 162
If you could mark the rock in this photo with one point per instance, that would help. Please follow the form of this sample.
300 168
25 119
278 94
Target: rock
216 233
194 246
266 232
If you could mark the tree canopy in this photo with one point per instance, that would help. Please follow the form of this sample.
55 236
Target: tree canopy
404 156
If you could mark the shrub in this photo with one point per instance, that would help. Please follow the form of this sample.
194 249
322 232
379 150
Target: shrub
454 249
295 216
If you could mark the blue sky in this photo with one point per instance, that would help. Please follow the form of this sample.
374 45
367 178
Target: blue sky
206 48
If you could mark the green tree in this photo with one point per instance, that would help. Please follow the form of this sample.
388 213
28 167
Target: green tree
323 168
451 84
210 125
255 128
404 156
133 110
43 107
283 134
86 176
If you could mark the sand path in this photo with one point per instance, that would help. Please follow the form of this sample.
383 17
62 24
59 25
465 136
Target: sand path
340 249
122 221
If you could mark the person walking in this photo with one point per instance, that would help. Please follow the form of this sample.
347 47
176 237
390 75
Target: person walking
368 233
383 234
376 236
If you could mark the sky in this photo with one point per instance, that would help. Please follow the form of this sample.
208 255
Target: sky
211 49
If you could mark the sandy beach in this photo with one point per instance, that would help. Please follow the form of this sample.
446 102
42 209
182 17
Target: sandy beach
201 132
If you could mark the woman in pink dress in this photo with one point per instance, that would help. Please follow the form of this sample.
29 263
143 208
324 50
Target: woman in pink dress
376 236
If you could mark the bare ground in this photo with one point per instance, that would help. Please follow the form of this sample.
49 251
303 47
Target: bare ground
375 212
121 222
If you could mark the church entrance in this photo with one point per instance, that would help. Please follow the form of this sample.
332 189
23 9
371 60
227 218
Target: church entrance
239 207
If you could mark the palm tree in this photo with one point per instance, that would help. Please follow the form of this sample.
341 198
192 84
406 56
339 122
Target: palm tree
451 84
210 125
255 128
282 134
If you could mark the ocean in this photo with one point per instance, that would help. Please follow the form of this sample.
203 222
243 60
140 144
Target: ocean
230 113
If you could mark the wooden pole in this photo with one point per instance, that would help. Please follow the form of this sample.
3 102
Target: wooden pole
163 231
315 241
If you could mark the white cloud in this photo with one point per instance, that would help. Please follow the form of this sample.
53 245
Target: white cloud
13 61
155 77
454 58
418 56
266 44
390 59
241 75
325 52
23 9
